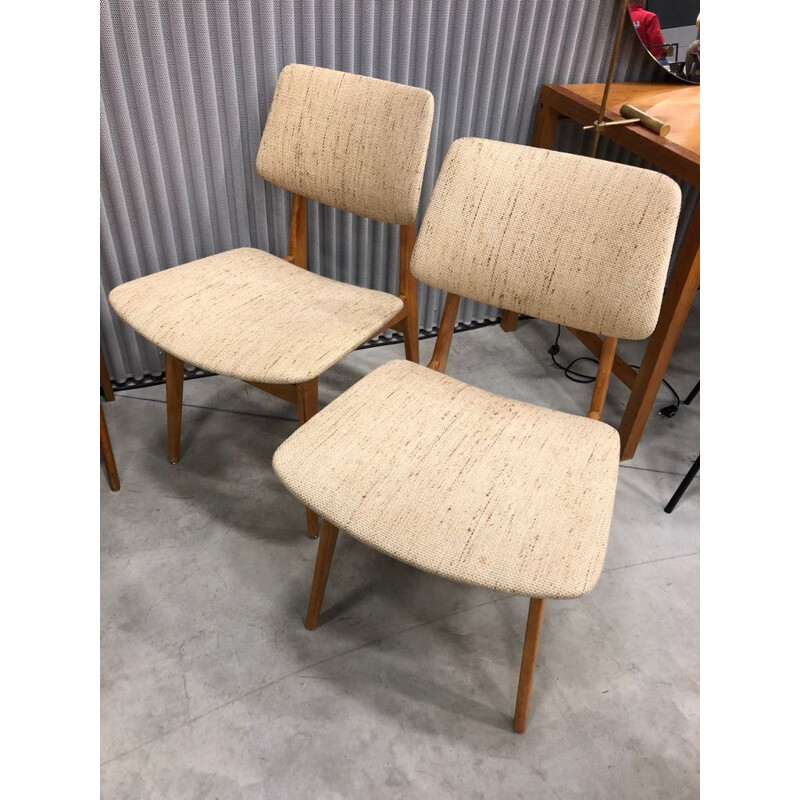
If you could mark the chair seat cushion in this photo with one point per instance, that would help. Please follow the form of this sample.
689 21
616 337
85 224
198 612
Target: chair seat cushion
460 482
252 315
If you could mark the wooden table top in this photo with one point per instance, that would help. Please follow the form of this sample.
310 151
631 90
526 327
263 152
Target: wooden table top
677 105
678 152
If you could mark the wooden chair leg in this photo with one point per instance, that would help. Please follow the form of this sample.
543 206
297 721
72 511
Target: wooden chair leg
509 320
307 406
108 454
411 326
411 338
105 381
526 670
408 293
325 548
174 378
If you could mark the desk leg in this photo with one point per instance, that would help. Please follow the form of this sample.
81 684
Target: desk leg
544 132
674 309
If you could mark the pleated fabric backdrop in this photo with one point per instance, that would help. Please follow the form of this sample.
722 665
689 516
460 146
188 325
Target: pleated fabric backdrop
185 88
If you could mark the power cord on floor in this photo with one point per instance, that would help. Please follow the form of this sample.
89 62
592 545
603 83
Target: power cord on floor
579 377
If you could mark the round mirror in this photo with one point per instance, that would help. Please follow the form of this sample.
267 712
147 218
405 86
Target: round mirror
670 32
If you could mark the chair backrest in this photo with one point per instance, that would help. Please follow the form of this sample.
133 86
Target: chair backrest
355 143
578 241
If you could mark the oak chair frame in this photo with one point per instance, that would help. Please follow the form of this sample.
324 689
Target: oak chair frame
330 533
306 395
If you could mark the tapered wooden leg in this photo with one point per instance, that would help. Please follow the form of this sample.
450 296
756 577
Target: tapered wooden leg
408 293
105 381
411 326
174 378
509 320
325 548
108 454
526 670
307 406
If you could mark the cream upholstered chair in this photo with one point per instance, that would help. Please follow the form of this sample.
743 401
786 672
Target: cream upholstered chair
356 143
463 483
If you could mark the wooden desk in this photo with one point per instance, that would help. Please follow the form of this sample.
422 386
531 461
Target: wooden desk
677 154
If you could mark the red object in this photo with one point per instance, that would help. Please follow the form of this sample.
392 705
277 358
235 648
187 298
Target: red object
649 30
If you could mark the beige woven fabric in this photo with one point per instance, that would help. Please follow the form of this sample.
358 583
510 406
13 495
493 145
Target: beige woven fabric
348 141
251 315
460 482
568 239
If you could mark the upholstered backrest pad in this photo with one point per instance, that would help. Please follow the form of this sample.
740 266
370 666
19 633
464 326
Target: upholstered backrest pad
348 141
568 239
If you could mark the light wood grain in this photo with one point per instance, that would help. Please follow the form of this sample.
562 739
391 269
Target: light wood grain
407 292
322 568
444 337
108 454
594 343
105 381
530 648
603 378
298 232
286 391
174 379
678 106
307 406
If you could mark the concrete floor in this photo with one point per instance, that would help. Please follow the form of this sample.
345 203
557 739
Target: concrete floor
212 687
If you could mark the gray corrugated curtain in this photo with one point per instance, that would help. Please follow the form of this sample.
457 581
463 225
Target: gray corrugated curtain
185 89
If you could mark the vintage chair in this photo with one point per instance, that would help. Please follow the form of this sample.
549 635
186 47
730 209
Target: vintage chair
463 483
356 143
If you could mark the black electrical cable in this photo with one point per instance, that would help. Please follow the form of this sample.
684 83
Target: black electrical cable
580 377
577 377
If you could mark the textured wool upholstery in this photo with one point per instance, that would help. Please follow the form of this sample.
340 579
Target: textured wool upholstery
352 142
251 315
573 240
460 482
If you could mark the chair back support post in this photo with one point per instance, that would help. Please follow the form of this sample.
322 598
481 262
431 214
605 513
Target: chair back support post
607 352
407 283
298 232
407 292
444 337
